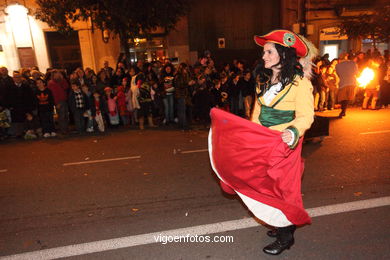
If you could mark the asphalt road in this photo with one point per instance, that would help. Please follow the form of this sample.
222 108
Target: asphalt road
53 195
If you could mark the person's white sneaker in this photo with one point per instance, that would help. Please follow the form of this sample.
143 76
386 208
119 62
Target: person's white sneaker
53 134
90 130
46 135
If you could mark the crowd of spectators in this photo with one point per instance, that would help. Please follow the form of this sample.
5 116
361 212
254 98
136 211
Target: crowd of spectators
34 104
325 80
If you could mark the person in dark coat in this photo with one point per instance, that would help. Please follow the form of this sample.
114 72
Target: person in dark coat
20 102
6 82
247 85
26 75
216 94
316 81
203 101
182 82
235 96
117 78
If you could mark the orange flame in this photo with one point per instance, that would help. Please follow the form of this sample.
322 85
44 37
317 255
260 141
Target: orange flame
365 77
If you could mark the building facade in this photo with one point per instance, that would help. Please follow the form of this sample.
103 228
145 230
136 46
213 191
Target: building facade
27 42
223 27
226 27
319 19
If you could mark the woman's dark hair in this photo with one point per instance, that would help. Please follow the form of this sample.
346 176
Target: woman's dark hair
135 68
289 66
127 81
181 68
164 73
145 67
148 71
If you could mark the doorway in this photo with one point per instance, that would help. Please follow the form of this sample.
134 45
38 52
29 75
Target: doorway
64 50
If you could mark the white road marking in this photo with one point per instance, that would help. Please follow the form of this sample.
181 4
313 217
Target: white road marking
3 170
104 160
375 132
349 206
144 239
196 151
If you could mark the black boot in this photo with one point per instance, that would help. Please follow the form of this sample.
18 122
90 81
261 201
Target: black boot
284 240
272 232
344 105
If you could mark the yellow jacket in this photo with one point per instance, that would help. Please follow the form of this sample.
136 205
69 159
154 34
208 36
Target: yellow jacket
299 99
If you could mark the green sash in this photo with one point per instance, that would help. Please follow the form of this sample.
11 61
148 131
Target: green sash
269 116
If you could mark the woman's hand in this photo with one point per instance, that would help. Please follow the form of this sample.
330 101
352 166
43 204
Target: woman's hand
287 136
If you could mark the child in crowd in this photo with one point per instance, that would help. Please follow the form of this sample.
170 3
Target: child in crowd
146 104
45 106
324 89
98 109
87 113
113 116
32 127
122 107
78 105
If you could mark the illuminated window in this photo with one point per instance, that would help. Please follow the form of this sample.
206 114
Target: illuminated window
332 50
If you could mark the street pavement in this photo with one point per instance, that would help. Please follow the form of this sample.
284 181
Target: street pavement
127 186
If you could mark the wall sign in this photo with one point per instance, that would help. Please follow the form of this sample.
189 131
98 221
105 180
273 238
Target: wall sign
221 43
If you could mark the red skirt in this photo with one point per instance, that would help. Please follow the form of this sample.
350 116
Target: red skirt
253 161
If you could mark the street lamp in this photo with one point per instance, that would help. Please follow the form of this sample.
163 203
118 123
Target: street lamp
105 35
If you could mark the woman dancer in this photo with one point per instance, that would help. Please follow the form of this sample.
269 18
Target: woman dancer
262 162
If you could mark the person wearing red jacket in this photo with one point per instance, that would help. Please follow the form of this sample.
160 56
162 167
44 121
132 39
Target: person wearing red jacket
59 88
